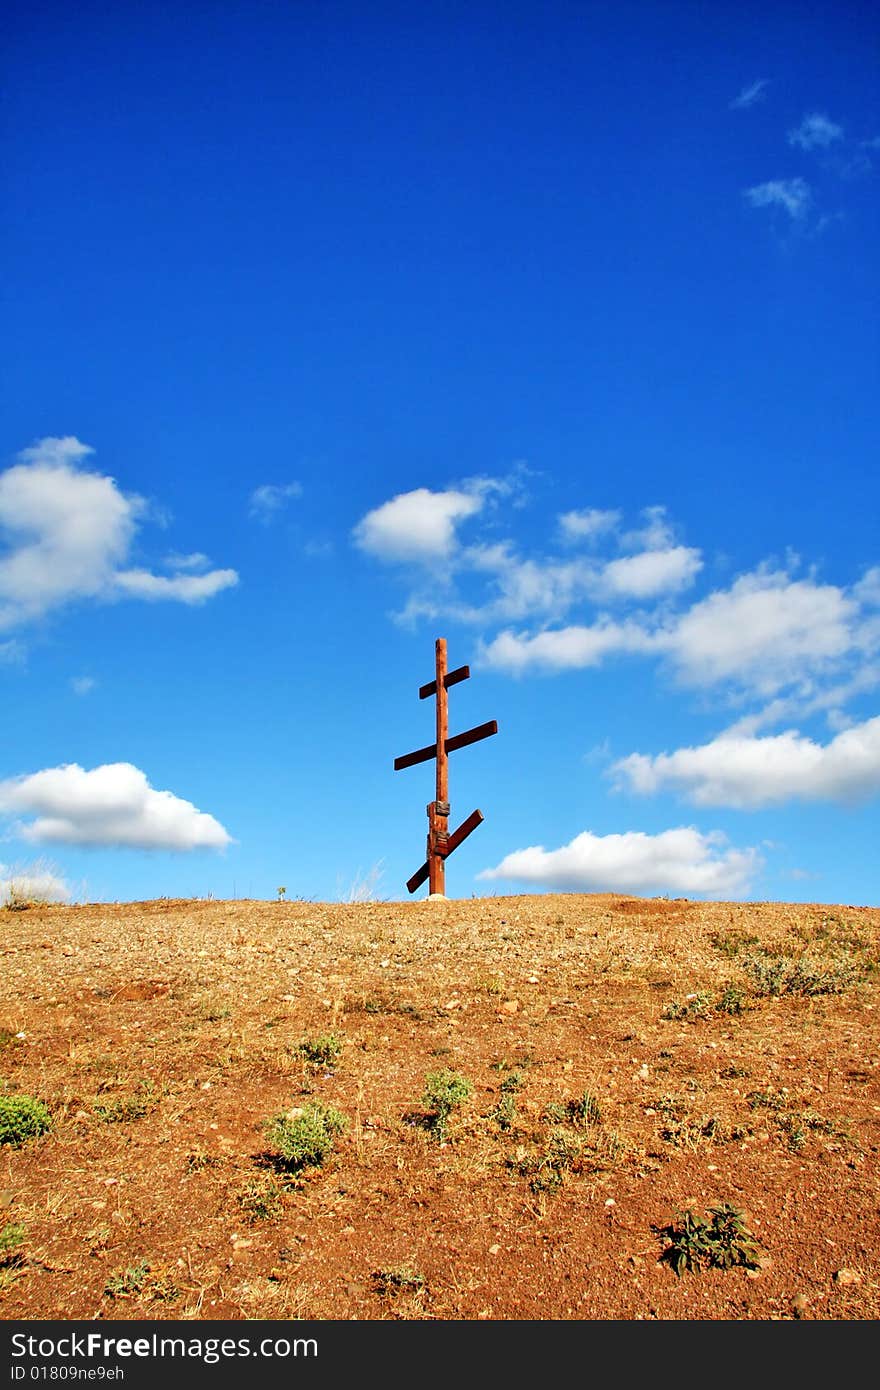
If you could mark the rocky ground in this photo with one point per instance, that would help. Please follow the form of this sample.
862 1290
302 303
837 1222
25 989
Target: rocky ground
547 1107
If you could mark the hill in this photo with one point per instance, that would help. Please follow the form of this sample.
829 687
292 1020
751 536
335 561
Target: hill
545 1107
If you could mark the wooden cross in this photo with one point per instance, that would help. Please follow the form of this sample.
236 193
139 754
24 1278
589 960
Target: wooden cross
440 842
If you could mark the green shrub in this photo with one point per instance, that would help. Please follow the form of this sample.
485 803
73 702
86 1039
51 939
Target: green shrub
11 1237
444 1092
11 1258
694 1006
129 1282
261 1201
584 1110
304 1137
504 1113
775 975
21 1118
730 1001
321 1052
125 1109
720 1241
391 1282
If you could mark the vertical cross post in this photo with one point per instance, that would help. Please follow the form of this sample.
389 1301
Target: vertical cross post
438 809
440 843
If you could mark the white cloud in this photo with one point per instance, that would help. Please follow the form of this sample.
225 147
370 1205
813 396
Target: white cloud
765 632
746 772
772 636
549 588
749 95
588 524
112 805
867 590
655 533
423 526
54 452
268 500
11 653
562 649
183 588
195 561
67 534
794 195
69 531
681 861
416 526
651 573
527 587
811 698
37 881
815 131
83 685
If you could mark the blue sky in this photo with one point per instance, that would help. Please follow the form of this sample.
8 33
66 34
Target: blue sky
332 329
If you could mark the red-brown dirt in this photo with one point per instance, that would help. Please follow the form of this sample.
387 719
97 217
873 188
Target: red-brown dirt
629 1060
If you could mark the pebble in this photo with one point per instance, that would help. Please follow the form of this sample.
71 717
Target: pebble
847 1277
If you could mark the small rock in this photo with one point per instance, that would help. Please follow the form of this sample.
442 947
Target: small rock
510 1006
800 1303
847 1278
494 1249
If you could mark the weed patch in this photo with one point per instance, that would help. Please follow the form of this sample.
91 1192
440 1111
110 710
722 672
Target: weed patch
391 1282
683 1128
780 974
444 1092
702 1005
319 1052
794 1124
261 1201
720 1240
11 1259
504 1113
126 1109
22 1118
128 1283
584 1110
731 944
303 1137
